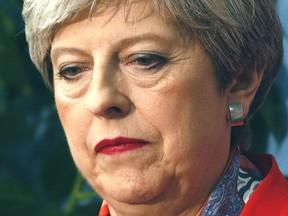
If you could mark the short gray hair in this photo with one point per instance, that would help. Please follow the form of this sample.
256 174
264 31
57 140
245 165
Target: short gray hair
240 36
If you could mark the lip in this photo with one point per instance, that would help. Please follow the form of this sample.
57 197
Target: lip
118 145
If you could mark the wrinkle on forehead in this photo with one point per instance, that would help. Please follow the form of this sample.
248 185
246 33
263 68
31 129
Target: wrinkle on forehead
98 8
131 14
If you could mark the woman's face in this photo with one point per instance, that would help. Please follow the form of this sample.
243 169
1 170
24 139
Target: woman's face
140 106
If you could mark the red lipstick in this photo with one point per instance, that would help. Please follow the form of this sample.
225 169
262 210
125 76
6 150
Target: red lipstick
118 145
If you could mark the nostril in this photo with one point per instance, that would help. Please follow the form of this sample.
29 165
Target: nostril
114 111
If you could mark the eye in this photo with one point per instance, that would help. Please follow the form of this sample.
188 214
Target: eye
72 72
146 62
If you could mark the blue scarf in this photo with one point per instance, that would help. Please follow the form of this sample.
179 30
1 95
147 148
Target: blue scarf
232 192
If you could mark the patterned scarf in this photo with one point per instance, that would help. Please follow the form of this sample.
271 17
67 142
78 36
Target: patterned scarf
233 191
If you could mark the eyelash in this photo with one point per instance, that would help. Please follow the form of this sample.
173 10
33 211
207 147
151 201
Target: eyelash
71 72
145 63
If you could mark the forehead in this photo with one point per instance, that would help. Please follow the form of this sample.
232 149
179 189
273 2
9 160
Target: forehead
130 9
129 14
110 22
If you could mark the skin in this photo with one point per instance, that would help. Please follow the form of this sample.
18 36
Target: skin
109 91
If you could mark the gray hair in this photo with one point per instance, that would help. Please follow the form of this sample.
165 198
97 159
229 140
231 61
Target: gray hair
240 36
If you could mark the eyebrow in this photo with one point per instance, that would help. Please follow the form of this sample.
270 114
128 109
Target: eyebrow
67 50
148 36
121 43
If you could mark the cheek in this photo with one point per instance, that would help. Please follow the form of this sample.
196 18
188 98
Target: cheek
189 115
76 130
74 117
184 104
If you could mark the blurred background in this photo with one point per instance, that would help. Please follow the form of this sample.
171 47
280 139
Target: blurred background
37 174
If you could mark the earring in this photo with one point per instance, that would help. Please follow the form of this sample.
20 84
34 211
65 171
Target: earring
236 114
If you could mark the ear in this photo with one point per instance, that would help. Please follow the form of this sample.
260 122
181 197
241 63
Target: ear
243 89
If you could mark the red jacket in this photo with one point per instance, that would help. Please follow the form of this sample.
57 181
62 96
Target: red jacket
271 196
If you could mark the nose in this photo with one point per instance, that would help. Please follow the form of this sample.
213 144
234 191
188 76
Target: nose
104 98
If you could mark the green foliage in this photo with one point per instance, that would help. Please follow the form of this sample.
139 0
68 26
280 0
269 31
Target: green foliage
271 118
37 174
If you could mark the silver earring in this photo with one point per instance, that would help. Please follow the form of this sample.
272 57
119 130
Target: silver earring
236 114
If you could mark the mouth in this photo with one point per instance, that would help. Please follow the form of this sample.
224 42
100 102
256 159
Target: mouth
118 145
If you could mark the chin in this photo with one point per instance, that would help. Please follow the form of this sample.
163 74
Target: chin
133 196
132 190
